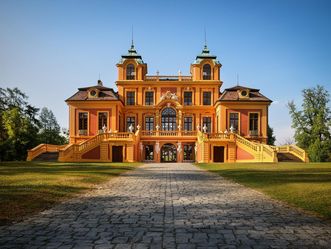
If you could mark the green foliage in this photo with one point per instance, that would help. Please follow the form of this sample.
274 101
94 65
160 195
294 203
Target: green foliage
271 137
21 128
50 130
312 123
21 134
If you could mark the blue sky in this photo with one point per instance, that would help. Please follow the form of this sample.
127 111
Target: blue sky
50 48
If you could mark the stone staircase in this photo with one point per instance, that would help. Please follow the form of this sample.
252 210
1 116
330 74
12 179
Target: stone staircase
75 152
47 157
287 157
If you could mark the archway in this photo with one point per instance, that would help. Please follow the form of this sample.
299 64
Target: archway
168 119
168 153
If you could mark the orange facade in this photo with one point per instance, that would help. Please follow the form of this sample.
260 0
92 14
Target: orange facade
169 118
158 118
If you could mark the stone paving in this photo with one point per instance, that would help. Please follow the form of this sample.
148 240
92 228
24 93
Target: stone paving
169 206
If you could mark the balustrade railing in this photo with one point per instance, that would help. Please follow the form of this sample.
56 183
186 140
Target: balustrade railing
189 133
168 133
218 135
293 149
43 148
167 77
247 143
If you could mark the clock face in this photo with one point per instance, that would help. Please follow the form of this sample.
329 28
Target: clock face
244 93
93 93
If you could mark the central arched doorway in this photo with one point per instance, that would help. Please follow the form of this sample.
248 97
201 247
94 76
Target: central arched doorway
168 153
168 119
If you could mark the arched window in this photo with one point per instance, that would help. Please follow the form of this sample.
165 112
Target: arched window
206 72
130 74
168 119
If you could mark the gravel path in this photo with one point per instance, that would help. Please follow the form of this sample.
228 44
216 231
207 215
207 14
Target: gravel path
169 206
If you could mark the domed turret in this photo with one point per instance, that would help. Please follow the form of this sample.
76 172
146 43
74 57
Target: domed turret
206 66
131 66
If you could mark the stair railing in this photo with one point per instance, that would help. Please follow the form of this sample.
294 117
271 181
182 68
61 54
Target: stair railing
74 151
43 148
294 150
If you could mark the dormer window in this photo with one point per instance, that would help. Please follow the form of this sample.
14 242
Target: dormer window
243 93
130 74
93 93
206 72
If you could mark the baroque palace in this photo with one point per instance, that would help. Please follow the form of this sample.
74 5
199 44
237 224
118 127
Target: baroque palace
157 118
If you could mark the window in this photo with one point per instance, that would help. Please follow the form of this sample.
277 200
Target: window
93 93
206 72
168 119
188 152
130 98
187 123
253 123
102 118
130 75
206 98
149 123
207 121
130 121
149 98
187 98
234 121
82 123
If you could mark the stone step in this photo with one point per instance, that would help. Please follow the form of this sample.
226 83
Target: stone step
287 157
47 157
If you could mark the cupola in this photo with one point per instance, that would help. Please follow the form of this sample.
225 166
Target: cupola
206 66
131 66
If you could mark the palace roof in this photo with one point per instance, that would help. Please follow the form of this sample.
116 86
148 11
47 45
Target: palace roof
205 54
232 94
105 93
132 54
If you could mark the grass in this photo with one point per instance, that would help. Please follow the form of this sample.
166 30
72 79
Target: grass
307 186
27 188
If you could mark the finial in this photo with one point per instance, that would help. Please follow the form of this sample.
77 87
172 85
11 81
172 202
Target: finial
132 45
237 79
99 81
205 36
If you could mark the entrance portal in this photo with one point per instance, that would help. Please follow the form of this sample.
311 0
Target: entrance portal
117 152
168 153
218 154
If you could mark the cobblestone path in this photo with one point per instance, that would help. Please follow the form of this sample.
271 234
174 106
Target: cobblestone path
169 206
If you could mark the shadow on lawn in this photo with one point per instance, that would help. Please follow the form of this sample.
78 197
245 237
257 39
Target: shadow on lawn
12 169
279 176
20 201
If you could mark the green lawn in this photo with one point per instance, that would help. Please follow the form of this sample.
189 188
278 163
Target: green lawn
28 187
307 186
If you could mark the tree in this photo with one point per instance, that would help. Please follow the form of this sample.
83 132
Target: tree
21 135
50 131
271 137
312 123
18 125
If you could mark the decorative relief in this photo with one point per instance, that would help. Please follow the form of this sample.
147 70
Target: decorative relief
169 95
